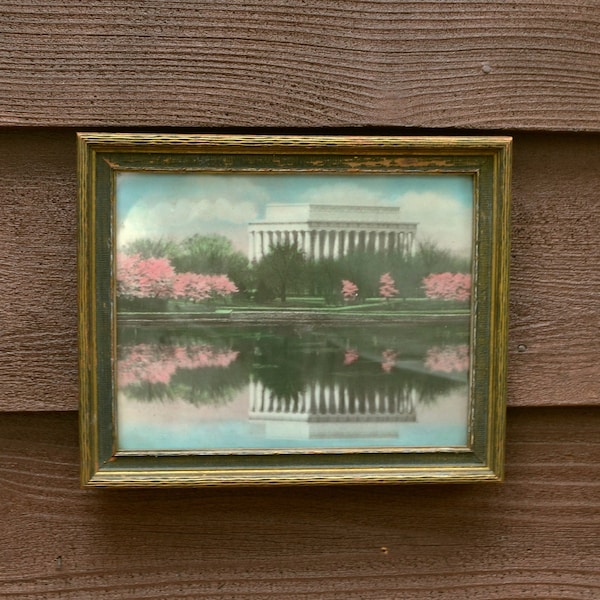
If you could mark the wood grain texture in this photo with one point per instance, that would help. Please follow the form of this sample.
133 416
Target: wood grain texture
535 536
555 280
38 275
533 64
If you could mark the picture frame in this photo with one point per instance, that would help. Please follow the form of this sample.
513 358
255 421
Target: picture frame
284 309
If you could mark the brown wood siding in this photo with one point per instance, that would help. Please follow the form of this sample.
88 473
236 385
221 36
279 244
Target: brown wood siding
521 68
535 536
531 64
555 281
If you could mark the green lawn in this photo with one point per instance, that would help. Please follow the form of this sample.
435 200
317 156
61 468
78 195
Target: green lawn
314 304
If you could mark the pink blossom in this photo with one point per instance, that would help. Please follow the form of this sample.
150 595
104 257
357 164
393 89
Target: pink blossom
387 287
349 289
448 359
191 286
159 372
222 285
351 355
448 286
388 360
157 364
156 278
197 287
145 363
128 283
144 278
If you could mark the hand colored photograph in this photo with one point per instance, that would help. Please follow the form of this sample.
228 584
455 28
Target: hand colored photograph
292 311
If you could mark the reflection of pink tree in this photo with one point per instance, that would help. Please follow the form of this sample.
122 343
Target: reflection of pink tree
350 356
448 359
387 287
448 286
155 364
388 360
349 290
145 363
202 357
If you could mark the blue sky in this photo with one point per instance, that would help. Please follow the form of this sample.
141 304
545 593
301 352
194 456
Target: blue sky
173 206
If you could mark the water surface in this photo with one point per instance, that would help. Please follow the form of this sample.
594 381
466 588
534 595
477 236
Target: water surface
232 387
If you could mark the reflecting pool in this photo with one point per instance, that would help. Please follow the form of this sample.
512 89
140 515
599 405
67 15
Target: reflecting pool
287 387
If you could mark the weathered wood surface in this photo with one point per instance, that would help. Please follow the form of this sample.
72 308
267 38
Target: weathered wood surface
38 273
533 64
534 536
555 276
555 279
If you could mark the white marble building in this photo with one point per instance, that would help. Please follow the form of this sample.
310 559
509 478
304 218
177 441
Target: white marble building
331 231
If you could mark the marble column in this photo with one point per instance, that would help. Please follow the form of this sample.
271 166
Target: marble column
258 250
251 249
336 244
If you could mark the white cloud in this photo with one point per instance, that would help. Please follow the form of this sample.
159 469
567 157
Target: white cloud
184 216
442 219
342 194
223 205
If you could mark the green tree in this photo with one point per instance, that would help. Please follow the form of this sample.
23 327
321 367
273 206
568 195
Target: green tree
432 259
152 248
213 255
282 269
325 276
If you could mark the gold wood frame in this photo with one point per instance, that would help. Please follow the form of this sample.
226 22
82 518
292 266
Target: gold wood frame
108 161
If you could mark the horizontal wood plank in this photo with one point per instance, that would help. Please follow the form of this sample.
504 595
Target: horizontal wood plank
554 329
529 65
534 536
38 266
555 281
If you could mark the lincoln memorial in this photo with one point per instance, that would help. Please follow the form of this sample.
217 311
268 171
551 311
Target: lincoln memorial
331 231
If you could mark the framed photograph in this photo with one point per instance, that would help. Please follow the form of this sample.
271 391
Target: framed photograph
292 309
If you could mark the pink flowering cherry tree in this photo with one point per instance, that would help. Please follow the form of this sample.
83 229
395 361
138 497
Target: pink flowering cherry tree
191 286
448 286
222 286
387 286
144 278
349 290
196 287
156 278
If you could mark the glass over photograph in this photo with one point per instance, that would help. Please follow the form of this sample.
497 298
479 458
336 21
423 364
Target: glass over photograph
289 312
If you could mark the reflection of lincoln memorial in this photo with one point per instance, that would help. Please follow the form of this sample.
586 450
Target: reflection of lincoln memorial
330 231
335 410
